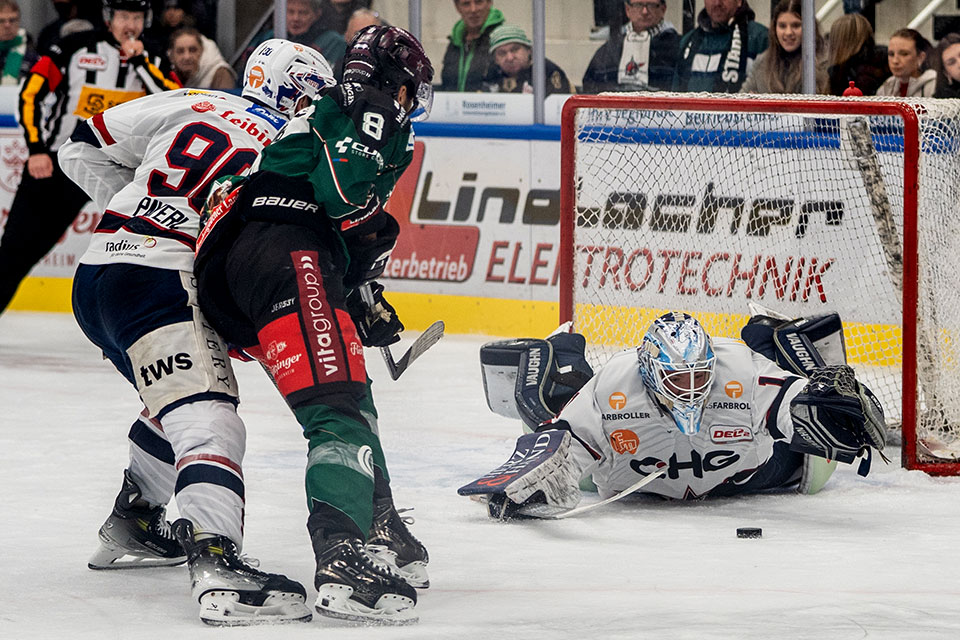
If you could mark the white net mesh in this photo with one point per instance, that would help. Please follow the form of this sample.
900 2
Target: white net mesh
706 211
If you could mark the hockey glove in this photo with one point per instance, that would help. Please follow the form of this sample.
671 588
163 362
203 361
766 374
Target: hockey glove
377 326
836 417
369 255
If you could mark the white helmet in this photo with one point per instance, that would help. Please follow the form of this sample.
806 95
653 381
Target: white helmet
280 72
676 364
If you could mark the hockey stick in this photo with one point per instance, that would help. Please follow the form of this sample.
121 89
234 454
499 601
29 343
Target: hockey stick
426 340
590 507
865 156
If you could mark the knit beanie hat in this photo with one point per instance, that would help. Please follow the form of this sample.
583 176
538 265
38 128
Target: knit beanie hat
507 33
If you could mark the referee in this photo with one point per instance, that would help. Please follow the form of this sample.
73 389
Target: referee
78 78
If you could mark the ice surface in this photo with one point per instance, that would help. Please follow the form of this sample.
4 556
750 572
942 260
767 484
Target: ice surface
866 558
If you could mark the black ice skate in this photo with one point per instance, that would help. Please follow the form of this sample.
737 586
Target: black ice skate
233 593
390 541
136 535
353 586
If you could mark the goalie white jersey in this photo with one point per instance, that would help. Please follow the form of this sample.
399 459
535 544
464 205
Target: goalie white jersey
148 165
623 434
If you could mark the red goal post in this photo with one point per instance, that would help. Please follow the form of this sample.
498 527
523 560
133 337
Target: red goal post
801 204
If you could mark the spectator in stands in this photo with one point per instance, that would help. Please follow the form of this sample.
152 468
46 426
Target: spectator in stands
608 18
169 17
907 54
855 57
467 60
198 62
641 58
360 19
68 13
512 71
305 26
337 14
779 69
17 53
946 61
718 54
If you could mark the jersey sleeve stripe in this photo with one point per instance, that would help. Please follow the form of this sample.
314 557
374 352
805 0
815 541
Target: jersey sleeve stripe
162 82
49 70
28 102
773 412
101 128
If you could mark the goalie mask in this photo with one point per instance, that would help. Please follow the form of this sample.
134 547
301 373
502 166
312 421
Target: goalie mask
280 72
676 365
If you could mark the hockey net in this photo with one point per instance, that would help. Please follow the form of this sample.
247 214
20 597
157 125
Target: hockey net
803 205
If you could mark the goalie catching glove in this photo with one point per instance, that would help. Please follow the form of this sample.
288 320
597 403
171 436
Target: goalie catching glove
540 479
836 417
377 324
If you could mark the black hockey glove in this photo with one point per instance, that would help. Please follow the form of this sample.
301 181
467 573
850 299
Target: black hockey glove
377 326
368 256
836 417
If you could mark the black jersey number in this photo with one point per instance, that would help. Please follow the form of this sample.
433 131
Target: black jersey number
200 151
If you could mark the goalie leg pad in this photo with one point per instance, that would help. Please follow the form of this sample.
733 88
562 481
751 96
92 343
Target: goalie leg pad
541 470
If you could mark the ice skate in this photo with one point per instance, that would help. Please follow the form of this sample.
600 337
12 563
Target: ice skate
391 542
136 535
353 586
233 593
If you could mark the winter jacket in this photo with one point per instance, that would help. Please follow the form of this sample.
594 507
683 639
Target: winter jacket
602 72
466 65
867 70
497 82
920 87
949 90
708 59
757 81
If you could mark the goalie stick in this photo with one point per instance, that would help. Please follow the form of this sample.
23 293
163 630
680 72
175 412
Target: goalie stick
426 340
659 473
865 157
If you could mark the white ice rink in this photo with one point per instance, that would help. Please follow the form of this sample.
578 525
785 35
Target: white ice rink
866 558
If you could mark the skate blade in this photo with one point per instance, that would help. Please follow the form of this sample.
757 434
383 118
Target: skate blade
333 601
107 559
223 609
415 573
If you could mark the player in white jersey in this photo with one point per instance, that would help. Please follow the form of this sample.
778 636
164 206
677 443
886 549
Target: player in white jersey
710 417
148 165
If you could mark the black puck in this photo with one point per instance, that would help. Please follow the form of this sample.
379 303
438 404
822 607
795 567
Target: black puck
750 532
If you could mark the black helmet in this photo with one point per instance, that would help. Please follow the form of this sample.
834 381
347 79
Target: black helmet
143 6
389 58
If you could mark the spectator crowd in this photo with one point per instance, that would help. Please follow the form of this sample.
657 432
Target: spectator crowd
727 51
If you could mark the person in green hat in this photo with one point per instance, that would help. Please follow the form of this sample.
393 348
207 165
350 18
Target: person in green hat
467 60
513 64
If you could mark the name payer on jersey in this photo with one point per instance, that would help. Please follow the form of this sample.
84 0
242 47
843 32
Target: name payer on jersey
154 220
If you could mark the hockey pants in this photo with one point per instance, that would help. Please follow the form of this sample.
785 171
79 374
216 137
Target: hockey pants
285 304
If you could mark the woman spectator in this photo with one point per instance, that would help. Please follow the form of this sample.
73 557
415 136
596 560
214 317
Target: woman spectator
947 63
198 62
907 56
855 57
779 69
